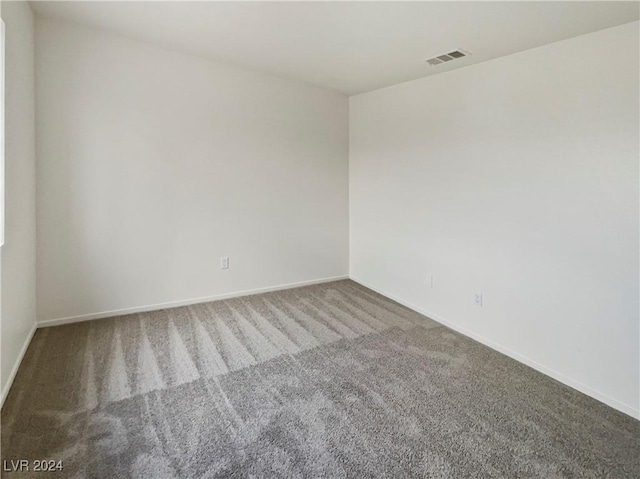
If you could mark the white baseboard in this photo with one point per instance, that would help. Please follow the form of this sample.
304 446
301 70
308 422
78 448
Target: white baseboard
609 401
186 302
631 411
16 365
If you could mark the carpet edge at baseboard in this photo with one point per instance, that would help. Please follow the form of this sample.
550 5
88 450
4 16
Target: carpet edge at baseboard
18 362
547 371
186 302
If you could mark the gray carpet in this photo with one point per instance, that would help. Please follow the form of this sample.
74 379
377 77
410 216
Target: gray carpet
331 380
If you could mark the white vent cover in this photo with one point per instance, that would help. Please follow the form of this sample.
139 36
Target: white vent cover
447 57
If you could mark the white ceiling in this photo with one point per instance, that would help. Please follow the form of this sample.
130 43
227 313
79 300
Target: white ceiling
349 47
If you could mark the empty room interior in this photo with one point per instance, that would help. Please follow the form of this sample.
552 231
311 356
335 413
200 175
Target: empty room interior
320 239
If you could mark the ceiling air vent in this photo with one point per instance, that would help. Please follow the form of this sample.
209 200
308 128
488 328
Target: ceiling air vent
447 57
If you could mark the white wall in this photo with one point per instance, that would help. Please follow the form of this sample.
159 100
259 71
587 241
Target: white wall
19 251
516 178
154 164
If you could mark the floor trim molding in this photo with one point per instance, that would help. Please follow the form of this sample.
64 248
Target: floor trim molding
609 401
174 304
16 366
629 410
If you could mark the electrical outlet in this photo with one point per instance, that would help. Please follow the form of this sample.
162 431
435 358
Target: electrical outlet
477 299
224 262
